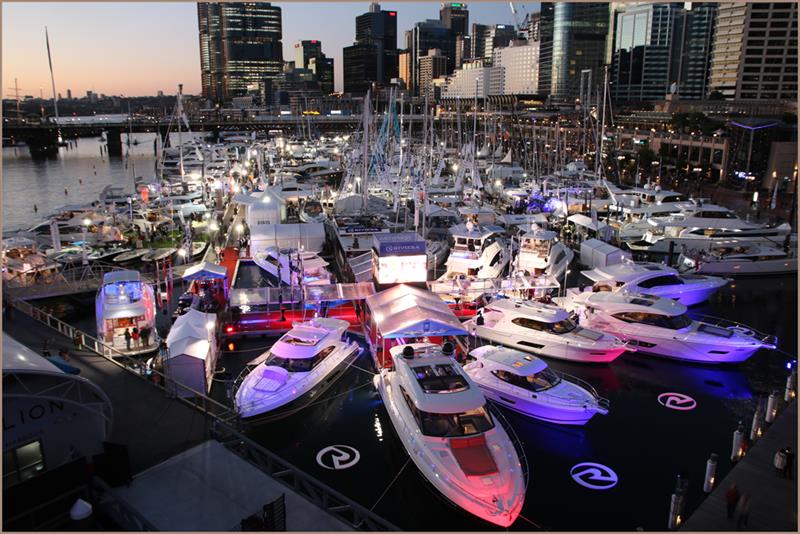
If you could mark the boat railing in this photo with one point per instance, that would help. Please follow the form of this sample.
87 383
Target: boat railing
601 401
196 399
515 441
769 340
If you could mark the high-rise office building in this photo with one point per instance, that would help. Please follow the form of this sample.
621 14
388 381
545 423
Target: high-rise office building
754 51
696 41
520 67
69 94
647 51
240 46
455 17
404 69
376 42
425 36
431 66
497 36
305 50
573 38
462 49
322 67
477 41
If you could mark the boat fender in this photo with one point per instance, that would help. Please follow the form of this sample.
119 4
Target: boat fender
711 473
772 407
408 352
737 449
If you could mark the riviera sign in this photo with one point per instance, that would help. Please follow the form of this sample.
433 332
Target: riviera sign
677 401
594 476
338 457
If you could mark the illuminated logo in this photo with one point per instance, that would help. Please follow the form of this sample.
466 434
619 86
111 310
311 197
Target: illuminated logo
338 457
594 476
677 401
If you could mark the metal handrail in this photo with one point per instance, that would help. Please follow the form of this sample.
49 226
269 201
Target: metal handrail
298 480
200 400
515 441
769 339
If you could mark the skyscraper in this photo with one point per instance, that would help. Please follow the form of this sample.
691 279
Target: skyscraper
647 51
477 41
573 38
695 60
455 17
754 52
240 46
404 70
305 50
462 49
432 65
376 42
322 67
497 36
425 36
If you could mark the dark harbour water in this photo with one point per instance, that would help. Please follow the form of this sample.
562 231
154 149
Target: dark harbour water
646 444
80 169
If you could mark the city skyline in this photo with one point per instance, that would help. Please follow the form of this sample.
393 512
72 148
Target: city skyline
127 39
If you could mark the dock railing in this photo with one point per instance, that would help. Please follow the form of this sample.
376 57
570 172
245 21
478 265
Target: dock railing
224 429
154 377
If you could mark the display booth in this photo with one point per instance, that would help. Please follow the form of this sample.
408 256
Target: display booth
191 354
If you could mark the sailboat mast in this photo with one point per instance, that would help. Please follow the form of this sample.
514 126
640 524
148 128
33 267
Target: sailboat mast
180 137
52 77
599 166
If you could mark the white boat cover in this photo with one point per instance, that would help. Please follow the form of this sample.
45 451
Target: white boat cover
406 311
204 271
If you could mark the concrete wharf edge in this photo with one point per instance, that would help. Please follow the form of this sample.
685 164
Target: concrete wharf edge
773 500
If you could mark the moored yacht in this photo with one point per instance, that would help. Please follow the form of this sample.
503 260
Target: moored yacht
540 252
441 417
655 279
544 330
297 369
476 253
293 267
525 384
660 326
740 261
125 302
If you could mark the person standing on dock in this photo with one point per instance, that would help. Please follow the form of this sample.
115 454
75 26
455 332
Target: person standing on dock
128 339
779 462
789 463
743 511
731 498
135 336
146 336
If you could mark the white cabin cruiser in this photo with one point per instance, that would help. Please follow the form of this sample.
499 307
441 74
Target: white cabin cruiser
525 384
541 253
297 369
741 260
661 327
125 302
655 279
293 267
544 330
441 417
476 253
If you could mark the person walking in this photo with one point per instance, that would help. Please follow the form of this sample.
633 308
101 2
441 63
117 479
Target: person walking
743 511
731 499
789 463
128 338
779 462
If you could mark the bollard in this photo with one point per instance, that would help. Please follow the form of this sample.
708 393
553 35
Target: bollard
772 407
755 428
711 473
676 504
790 392
738 442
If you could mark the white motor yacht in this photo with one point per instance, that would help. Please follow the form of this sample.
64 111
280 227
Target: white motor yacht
741 260
525 384
655 279
288 264
441 417
476 253
125 302
541 253
297 369
544 330
660 326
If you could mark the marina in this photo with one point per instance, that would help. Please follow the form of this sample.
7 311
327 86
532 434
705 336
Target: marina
431 313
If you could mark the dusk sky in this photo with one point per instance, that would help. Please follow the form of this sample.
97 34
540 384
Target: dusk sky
131 49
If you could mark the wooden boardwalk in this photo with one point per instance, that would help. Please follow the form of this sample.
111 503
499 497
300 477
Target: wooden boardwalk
773 500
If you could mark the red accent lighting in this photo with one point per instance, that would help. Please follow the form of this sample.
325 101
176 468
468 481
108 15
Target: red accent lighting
392 13
229 329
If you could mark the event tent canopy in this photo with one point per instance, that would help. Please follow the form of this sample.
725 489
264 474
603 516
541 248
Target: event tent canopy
406 311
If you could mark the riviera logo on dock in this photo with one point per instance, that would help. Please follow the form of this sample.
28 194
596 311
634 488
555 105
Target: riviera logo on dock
338 457
677 401
594 476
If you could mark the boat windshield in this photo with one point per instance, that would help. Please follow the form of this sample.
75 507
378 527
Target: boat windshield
544 379
300 365
291 340
663 321
449 425
123 293
560 327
